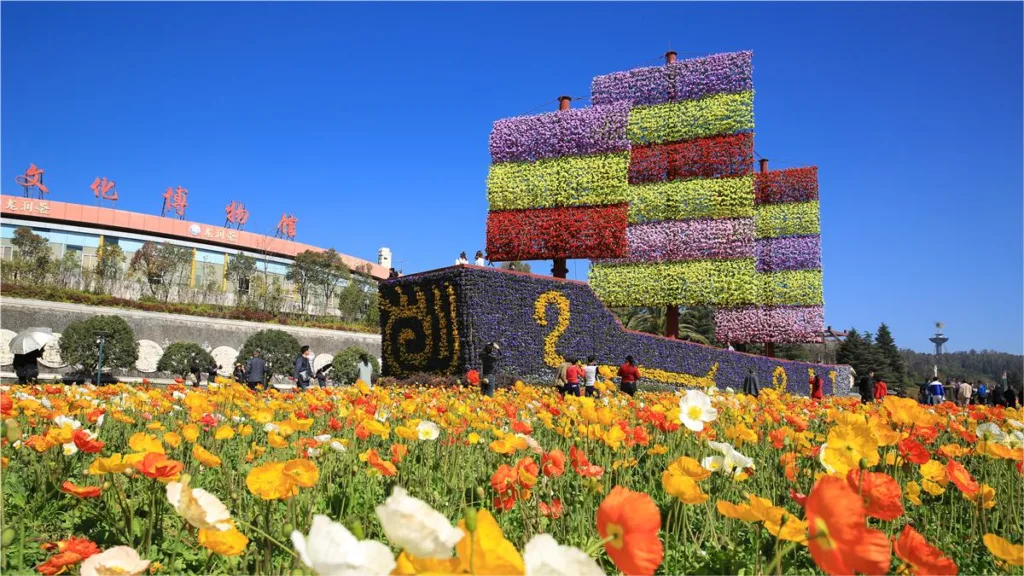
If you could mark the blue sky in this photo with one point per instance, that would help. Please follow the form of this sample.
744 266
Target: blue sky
370 122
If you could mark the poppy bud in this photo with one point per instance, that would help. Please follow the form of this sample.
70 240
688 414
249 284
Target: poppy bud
470 515
356 528
480 493
8 537
864 464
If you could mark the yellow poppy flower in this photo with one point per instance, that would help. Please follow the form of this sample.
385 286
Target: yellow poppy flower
229 542
269 482
914 493
225 432
111 465
205 457
190 432
276 441
1001 548
985 497
143 443
302 472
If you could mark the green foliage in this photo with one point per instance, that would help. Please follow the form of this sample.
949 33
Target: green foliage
78 346
789 219
693 323
67 269
973 365
241 269
890 356
179 357
109 260
316 271
162 266
346 369
277 347
32 255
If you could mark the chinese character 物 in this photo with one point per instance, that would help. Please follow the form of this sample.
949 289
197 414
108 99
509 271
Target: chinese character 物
237 214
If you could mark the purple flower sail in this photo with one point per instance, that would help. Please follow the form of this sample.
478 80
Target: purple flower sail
680 240
574 132
683 80
770 324
788 253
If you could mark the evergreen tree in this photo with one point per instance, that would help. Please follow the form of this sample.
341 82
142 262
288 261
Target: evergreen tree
851 351
873 359
890 355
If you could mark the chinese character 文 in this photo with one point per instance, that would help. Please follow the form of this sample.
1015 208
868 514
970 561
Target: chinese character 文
237 214
32 178
104 189
175 201
286 226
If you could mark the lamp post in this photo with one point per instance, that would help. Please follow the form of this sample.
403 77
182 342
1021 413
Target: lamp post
101 338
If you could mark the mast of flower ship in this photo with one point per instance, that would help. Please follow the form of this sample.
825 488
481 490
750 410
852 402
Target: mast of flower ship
559 267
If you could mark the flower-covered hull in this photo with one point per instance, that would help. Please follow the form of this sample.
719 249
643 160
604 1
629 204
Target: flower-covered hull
539 321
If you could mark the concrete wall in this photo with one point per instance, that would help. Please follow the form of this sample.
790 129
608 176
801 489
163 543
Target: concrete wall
156 330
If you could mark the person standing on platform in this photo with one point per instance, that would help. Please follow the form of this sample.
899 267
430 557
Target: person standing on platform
303 368
461 260
629 374
255 371
750 384
489 366
480 261
817 386
936 392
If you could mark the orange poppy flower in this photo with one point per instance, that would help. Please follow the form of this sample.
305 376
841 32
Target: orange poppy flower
398 451
961 477
838 539
80 491
69 552
379 464
630 520
504 479
582 465
553 510
920 556
881 493
553 463
527 471
159 467
913 452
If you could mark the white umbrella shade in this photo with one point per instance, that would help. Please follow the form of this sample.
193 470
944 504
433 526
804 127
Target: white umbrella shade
30 340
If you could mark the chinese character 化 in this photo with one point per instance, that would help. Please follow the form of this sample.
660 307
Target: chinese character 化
286 226
101 188
237 214
175 200
32 178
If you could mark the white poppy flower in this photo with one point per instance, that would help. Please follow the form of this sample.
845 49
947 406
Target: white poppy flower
62 421
990 432
382 416
543 556
122 560
411 524
312 452
337 446
99 421
732 462
824 464
70 449
271 427
322 438
1015 423
331 550
695 409
1014 439
427 430
46 402
532 444
198 507
177 395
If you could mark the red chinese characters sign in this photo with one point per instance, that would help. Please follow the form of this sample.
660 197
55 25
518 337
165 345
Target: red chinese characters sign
175 201
32 178
286 226
104 189
236 214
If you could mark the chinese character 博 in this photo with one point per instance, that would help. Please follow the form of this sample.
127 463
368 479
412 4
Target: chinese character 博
176 200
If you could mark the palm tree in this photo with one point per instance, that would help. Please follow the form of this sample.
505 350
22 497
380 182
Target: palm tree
652 321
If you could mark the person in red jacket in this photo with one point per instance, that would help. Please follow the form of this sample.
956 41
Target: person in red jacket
880 389
629 374
817 384
574 376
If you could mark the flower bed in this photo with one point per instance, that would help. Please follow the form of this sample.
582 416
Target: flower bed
546 233
683 80
568 181
680 240
788 253
575 132
714 157
790 219
770 324
689 119
715 282
701 198
789 185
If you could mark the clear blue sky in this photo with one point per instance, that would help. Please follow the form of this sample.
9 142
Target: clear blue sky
370 122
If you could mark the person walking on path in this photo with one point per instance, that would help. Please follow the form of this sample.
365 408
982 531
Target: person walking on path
881 389
936 392
574 375
866 387
750 384
365 369
461 260
560 376
489 365
963 396
255 371
303 368
628 375
590 376
817 385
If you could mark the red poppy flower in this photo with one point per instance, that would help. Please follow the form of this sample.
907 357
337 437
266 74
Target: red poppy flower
912 451
6 404
582 465
778 438
961 477
838 538
504 479
473 377
926 434
334 424
85 442
526 472
159 467
94 416
553 463
553 510
631 520
69 552
80 491
920 556
800 499
521 427
881 493
504 504
398 451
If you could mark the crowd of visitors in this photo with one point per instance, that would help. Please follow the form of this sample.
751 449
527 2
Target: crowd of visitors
965 393
478 260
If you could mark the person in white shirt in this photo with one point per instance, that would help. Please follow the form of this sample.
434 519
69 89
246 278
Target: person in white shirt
461 260
480 259
965 393
590 376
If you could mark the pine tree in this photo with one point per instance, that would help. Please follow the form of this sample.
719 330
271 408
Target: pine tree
851 351
874 360
885 344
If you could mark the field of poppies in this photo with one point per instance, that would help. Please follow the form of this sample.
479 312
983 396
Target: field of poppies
420 478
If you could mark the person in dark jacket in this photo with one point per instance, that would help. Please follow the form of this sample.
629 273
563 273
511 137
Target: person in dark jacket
25 366
489 365
255 370
196 371
303 368
1011 397
239 373
321 374
214 368
866 387
750 384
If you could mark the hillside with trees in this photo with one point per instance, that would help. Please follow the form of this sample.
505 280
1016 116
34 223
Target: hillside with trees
972 365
